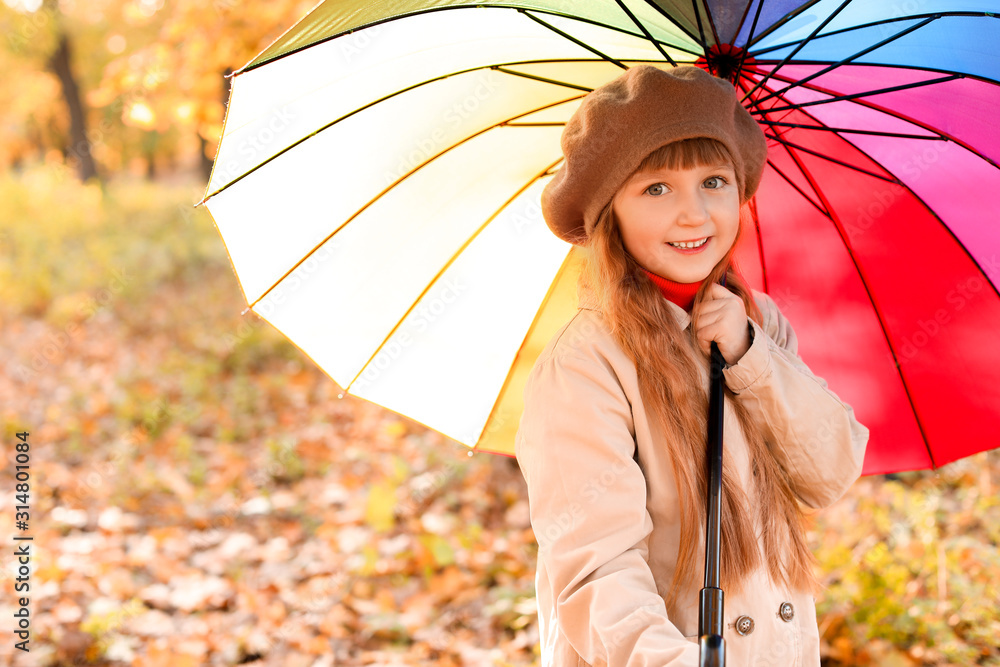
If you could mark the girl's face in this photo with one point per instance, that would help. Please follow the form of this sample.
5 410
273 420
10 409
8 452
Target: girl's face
668 206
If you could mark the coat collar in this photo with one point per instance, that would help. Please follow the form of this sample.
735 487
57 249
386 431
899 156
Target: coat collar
587 300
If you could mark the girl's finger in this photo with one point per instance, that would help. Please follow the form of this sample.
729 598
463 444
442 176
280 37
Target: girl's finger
708 333
710 322
720 292
712 307
715 313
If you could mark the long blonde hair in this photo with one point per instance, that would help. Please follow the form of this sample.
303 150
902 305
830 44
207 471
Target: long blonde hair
671 389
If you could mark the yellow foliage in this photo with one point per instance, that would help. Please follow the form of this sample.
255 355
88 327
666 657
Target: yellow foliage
381 505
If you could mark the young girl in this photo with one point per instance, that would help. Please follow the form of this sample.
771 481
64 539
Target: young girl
612 442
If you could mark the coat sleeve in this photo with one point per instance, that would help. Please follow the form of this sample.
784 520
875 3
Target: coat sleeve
587 505
812 433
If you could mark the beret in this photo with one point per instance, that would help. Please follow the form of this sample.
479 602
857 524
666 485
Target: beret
621 122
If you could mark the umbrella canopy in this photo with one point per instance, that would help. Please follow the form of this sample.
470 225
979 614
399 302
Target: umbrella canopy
377 188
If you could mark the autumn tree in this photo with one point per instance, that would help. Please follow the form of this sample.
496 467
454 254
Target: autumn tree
188 60
107 83
38 38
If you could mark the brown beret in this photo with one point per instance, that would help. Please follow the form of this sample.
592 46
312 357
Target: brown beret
618 124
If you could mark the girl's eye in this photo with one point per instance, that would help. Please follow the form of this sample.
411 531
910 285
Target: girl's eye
660 186
715 181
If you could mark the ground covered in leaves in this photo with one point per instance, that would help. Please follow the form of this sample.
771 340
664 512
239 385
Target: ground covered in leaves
201 496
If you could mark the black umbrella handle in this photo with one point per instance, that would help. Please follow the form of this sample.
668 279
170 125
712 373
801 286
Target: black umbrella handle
713 651
710 611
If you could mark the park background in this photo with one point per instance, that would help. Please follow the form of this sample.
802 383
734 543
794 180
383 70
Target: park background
199 493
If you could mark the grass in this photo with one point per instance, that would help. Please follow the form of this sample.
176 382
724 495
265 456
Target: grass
67 249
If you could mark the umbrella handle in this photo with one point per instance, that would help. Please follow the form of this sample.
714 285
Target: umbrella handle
710 610
714 463
713 651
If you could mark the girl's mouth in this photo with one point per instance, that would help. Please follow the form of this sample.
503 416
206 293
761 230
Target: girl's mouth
699 247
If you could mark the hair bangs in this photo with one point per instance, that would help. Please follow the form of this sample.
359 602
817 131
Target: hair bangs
686 154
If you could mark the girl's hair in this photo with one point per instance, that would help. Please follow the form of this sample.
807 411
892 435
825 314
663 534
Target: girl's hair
670 384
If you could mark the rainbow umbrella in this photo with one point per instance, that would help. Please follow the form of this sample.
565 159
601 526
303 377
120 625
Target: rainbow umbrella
377 188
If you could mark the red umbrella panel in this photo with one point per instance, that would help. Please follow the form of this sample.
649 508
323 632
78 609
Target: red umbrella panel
877 233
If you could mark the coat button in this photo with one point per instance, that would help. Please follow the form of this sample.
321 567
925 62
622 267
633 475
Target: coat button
744 625
786 611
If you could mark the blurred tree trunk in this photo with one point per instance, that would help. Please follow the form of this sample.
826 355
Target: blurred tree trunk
61 65
150 166
36 139
149 144
206 162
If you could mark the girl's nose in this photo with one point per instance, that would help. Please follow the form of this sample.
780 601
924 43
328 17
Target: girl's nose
692 210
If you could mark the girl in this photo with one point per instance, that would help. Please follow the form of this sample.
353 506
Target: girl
612 442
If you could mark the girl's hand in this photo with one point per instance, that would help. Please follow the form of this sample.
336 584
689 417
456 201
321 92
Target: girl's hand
723 318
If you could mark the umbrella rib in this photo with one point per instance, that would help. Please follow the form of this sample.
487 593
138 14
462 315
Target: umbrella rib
799 82
784 20
742 85
669 17
855 96
800 190
798 48
882 22
399 92
871 298
709 19
348 31
389 96
982 273
541 78
777 137
868 104
947 229
913 121
847 130
389 187
788 151
645 32
760 241
278 39
290 52
917 198
569 259
780 173
225 120
753 28
657 43
796 146
445 267
572 38
701 28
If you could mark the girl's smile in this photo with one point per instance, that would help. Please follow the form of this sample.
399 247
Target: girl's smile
679 223
691 247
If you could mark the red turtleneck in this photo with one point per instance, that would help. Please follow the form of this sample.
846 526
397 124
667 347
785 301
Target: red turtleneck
680 293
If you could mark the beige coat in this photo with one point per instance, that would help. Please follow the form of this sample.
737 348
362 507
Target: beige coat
608 530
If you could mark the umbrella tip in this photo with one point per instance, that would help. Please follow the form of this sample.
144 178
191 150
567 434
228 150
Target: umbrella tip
340 395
